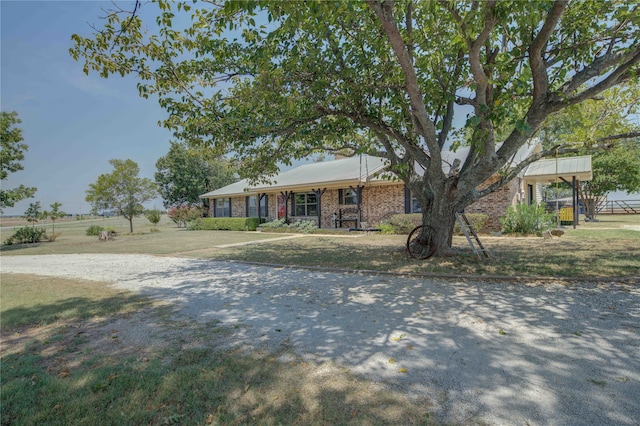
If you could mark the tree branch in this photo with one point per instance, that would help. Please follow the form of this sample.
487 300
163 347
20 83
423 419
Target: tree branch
426 128
536 61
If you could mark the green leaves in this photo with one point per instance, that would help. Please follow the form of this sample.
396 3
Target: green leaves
11 157
183 175
122 190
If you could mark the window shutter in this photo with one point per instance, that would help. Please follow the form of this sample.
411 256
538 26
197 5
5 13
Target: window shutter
340 196
407 200
293 203
230 214
265 213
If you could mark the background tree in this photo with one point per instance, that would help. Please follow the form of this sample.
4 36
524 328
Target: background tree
54 214
154 217
11 158
122 190
185 174
274 81
607 129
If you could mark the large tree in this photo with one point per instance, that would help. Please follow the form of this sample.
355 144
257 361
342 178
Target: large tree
270 81
11 157
122 190
185 174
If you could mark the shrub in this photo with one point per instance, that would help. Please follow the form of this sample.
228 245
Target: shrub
224 224
303 226
526 219
94 230
277 223
181 215
478 221
27 234
400 223
153 216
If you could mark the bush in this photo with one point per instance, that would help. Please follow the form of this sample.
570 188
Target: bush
94 230
303 226
153 216
224 224
181 215
27 234
400 223
526 219
478 221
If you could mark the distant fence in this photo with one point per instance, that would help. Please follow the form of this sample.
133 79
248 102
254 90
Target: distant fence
619 207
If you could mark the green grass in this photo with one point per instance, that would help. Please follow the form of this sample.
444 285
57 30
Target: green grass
73 371
30 299
167 240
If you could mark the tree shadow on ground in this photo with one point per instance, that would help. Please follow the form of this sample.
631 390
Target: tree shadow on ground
152 368
492 352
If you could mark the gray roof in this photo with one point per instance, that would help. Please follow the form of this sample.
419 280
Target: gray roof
342 173
530 147
346 171
547 170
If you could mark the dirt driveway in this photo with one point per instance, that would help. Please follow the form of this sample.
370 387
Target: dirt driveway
499 353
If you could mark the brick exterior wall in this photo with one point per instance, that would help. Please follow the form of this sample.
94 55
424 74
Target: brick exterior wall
495 204
381 201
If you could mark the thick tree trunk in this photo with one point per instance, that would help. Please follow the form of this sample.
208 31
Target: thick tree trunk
439 198
440 216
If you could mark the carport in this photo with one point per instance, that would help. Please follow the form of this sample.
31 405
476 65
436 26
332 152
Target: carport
570 170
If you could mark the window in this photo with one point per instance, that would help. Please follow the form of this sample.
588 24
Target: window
252 206
222 207
305 204
347 196
411 204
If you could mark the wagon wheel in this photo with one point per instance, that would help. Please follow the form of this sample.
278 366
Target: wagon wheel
421 246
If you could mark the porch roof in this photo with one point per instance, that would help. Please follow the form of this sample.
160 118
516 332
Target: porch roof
548 170
336 173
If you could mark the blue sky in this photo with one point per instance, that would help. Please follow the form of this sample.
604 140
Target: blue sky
73 123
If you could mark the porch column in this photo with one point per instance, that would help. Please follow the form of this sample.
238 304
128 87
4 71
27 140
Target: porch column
319 193
574 198
260 197
576 213
286 195
358 190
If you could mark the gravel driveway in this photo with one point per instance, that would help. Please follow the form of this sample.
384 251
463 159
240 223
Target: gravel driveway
521 354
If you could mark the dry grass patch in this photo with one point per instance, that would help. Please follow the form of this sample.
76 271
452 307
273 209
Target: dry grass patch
83 353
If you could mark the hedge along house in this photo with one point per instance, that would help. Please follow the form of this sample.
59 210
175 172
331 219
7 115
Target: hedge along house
355 192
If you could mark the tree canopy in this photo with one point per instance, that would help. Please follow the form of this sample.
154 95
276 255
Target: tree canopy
122 190
11 157
183 175
272 81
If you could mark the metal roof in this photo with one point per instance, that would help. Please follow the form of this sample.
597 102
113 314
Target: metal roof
567 167
354 170
530 147
345 171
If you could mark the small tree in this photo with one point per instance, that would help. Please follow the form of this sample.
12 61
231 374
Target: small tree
153 216
33 213
122 190
55 214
